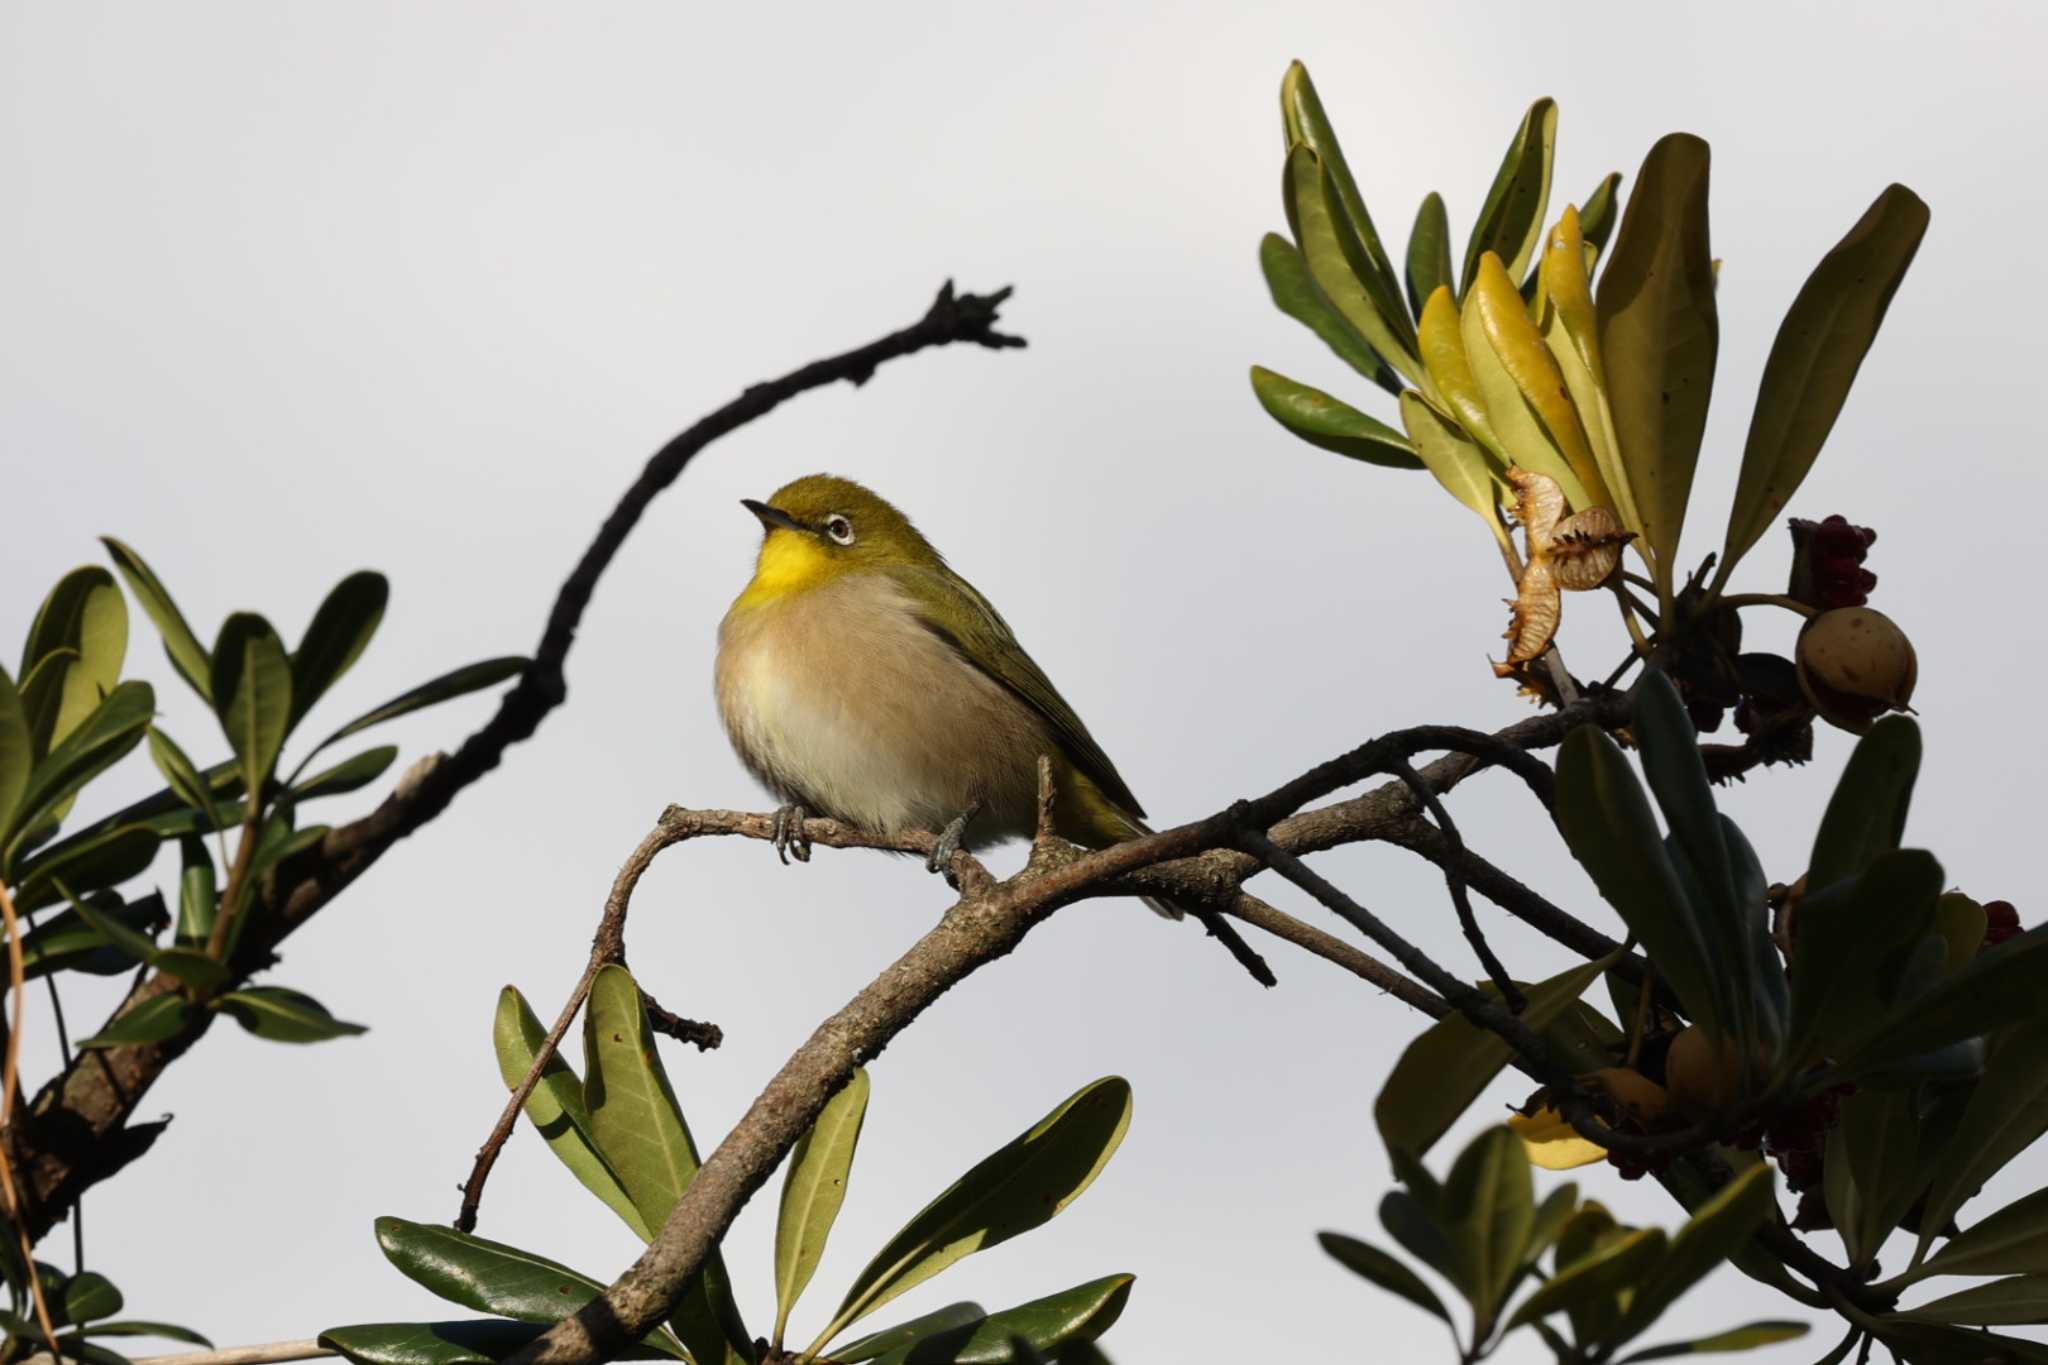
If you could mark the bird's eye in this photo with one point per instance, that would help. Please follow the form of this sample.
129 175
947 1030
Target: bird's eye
839 528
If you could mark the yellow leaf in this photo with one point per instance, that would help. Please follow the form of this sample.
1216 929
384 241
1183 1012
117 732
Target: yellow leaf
1570 332
1521 434
1443 358
1529 363
1553 1144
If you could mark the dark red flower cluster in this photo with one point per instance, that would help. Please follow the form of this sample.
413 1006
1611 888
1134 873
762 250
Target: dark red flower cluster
1827 563
2001 922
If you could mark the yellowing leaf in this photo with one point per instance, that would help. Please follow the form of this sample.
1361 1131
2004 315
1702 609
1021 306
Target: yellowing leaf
1529 363
1459 465
1569 330
1521 434
1553 1144
1443 358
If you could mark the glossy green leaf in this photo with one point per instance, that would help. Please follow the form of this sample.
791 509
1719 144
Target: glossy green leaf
284 844
192 966
1331 423
152 1021
813 1189
85 615
1489 1209
1306 123
2006 1112
136 1327
1389 1273
101 740
183 777
85 864
283 1015
1080 1314
1442 1072
1511 219
1454 460
113 930
17 752
640 1130
2001 985
1606 821
2016 1300
1596 214
1747 1337
252 692
337 636
1813 362
187 655
1018 1187
1593 1279
1848 938
1927 1343
66 942
492 1277
556 1106
1659 335
943 1323
2012 1241
1329 244
1410 1219
198 898
1721 1226
1866 815
1295 294
1429 253
460 682
89 1295
481 1342
1880 1145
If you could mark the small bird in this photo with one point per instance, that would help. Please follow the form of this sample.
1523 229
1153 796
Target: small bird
860 678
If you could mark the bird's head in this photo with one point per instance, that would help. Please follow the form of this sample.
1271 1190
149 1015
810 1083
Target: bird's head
820 527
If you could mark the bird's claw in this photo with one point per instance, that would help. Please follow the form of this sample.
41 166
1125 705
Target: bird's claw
789 837
949 841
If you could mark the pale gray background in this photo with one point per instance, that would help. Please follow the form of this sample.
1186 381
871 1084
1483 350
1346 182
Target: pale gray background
288 289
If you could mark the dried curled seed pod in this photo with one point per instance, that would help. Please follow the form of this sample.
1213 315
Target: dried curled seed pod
1586 547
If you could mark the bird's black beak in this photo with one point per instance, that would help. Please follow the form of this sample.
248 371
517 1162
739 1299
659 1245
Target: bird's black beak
771 517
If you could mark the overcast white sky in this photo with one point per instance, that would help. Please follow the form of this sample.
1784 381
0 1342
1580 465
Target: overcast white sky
292 289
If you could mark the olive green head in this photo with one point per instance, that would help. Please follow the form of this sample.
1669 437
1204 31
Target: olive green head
820 527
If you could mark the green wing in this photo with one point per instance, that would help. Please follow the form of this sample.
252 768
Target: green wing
963 618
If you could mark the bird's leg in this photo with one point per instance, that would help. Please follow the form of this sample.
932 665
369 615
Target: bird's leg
941 859
789 837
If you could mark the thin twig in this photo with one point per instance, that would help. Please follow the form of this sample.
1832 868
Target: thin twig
1461 897
1330 948
10 1071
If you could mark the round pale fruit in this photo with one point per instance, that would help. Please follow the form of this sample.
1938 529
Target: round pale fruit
1855 664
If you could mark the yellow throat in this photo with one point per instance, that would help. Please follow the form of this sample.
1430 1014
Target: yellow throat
790 563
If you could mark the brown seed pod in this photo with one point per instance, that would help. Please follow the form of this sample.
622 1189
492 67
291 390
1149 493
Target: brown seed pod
1855 664
1586 548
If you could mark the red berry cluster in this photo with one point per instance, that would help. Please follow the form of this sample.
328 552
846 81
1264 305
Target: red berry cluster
2001 922
1797 1139
1827 563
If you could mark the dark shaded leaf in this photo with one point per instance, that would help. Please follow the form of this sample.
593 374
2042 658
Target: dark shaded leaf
2012 1241
1410 1219
1722 1225
89 1294
17 752
947 1322
101 740
187 655
2014 1301
1848 936
152 1021
66 942
284 1016
348 775
252 691
1747 1337
462 681
339 633
197 899
479 1342
1429 253
1510 221
87 862
1080 1314
1330 423
1596 215
1488 1211
2000 986
136 1327
1589 1282
1364 1259
183 777
1295 293
2006 1112
1866 815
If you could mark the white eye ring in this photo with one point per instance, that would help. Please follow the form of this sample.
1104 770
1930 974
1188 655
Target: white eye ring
839 528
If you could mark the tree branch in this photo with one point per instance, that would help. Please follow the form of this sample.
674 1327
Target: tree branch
77 1130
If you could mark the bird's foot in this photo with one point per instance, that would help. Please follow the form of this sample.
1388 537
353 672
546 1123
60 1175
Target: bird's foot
789 837
949 840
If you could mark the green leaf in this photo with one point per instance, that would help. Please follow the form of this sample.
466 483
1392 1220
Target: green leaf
1306 123
2000 985
101 740
1330 245
183 777
1295 294
1429 252
1866 815
1747 1337
481 1342
1590 1282
197 898
154 1020
252 691
2006 1112
187 655
2012 1241
1849 938
17 753
1720 1227
1489 1209
86 863
1511 219
1442 1072
1606 821
112 929
1330 423
1080 1314
1368 1261
284 1016
89 1294
1658 338
193 967
945 1321
556 1106
813 1190
136 1327
66 942
1019 1187
351 774
86 617
492 1277
1879 1135
1813 363
2009 1302
339 633
641 1132
1410 1219
1596 213
460 682
1458 463
288 843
